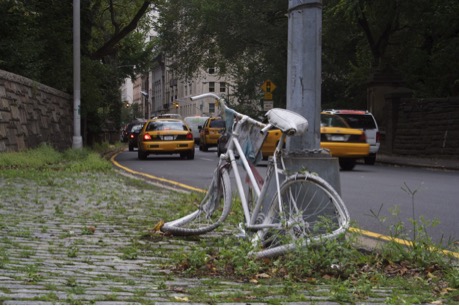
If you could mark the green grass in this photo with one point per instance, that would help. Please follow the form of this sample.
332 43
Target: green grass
419 272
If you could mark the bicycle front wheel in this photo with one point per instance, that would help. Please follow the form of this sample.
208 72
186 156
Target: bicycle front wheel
310 210
212 211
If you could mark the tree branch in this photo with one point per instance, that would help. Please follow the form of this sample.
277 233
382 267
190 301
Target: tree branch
110 45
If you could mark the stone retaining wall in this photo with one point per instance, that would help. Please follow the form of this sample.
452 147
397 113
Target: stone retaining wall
421 127
428 127
32 113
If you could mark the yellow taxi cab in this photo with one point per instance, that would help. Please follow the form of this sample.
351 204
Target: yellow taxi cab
343 142
270 143
210 132
165 136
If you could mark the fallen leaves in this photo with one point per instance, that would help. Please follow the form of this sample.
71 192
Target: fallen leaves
157 227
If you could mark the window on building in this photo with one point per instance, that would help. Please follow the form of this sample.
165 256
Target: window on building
211 108
222 87
211 86
211 70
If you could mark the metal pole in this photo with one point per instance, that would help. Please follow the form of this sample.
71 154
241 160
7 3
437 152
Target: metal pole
77 139
304 69
303 89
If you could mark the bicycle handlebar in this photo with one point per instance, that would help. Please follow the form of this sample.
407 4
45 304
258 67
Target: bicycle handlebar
287 121
236 114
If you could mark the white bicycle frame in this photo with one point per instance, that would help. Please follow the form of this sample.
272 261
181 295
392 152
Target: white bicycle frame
234 143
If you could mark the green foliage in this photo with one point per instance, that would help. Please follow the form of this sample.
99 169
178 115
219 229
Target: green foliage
36 41
416 43
130 252
35 158
46 159
420 272
244 39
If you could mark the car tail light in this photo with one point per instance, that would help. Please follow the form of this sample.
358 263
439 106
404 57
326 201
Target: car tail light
378 137
146 137
131 136
189 136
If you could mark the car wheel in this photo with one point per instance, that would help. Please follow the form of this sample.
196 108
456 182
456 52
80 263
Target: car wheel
203 147
141 154
131 147
370 159
191 154
347 164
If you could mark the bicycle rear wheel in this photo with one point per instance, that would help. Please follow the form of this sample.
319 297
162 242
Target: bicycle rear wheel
310 210
212 211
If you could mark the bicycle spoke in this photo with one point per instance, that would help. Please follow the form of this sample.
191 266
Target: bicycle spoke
311 210
213 210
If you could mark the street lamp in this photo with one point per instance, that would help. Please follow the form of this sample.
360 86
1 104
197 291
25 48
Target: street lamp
77 142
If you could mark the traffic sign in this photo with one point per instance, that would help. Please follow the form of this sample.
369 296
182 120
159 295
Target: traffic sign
267 105
268 86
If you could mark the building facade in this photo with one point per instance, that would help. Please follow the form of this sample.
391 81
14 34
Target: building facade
160 91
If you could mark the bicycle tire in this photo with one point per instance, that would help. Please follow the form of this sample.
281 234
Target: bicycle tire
311 210
212 211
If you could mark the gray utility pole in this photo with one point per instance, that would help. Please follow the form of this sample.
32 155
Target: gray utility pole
304 68
77 139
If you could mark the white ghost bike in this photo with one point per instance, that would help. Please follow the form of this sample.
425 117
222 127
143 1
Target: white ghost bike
283 210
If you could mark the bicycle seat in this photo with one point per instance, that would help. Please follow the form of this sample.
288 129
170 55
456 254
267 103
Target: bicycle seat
287 121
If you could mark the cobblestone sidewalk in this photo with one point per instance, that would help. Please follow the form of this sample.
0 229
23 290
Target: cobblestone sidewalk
83 240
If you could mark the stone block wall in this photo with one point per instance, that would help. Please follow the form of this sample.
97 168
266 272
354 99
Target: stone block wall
32 113
427 128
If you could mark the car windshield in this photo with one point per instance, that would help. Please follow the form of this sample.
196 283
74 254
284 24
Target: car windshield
359 121
166 125
217 124
136 128
332 121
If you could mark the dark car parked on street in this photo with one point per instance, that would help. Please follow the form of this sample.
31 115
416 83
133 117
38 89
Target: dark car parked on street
127 129
134 135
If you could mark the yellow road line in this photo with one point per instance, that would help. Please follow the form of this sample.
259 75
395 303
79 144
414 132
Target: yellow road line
174 183
398 240
352 229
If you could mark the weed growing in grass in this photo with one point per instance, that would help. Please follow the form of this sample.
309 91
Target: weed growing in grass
32 273
46 160
410 245
130 252
88 230
49 297
38 158
26 253
4 259
72 251
71 282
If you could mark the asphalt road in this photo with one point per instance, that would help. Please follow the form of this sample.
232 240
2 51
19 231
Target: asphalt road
367 190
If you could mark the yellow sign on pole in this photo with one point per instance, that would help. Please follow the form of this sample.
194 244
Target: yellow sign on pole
268 86
268 96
